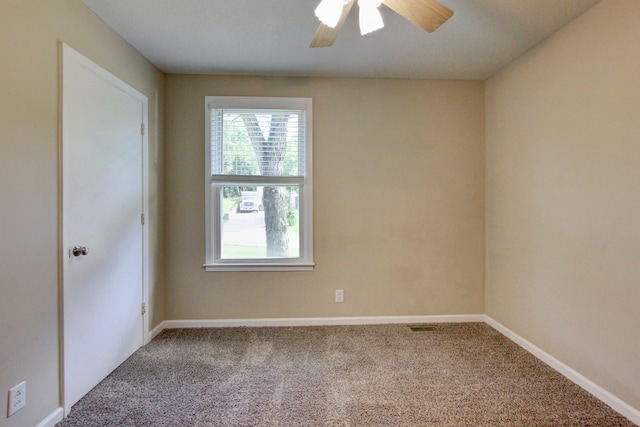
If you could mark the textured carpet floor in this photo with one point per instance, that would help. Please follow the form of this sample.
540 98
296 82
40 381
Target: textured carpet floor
458 375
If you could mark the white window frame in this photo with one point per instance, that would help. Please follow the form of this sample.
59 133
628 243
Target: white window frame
213 208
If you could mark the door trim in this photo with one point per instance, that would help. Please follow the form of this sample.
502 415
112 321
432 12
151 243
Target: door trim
67 53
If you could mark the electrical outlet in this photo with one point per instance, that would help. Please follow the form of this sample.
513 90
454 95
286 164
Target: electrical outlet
339 295
17 398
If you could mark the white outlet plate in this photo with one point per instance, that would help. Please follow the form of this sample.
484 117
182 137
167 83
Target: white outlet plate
339 295
17 398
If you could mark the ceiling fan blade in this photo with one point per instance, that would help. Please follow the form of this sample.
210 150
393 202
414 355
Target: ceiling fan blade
325 36
426 14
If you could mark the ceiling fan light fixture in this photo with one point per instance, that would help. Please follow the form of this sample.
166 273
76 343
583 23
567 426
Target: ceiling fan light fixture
329 11
370 17
428 15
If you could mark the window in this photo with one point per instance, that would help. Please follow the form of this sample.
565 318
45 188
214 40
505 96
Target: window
259 189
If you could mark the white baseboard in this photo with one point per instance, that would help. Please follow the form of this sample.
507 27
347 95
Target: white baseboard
155 331
315 321
614 402
52 419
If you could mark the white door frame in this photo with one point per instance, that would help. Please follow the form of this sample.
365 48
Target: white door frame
66 53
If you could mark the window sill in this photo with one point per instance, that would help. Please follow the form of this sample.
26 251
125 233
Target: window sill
258 267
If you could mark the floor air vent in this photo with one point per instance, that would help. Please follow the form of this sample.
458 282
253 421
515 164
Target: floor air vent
423 328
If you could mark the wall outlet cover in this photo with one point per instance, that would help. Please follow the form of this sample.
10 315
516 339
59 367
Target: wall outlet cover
17 398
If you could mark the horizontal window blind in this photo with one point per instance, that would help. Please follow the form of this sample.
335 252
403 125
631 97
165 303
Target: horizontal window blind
257 142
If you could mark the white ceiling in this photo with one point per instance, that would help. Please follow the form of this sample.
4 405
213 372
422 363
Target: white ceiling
271 37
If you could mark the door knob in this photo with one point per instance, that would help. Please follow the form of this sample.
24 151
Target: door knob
79 250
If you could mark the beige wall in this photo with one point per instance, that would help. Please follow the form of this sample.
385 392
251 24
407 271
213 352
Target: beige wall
30 31
563 211
399 201
399 196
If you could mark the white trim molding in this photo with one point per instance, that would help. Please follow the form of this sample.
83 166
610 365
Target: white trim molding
216 179
155 331
52 419
316 321
605 396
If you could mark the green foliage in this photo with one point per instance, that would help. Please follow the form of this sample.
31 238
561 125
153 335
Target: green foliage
240 158
240 155
292 216
230 192
252 252
235 192
229 203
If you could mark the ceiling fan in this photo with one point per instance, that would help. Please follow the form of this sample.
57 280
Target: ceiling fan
426 14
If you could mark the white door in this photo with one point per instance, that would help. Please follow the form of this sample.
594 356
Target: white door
102 175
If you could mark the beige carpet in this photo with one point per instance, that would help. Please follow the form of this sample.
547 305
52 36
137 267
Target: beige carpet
457 375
